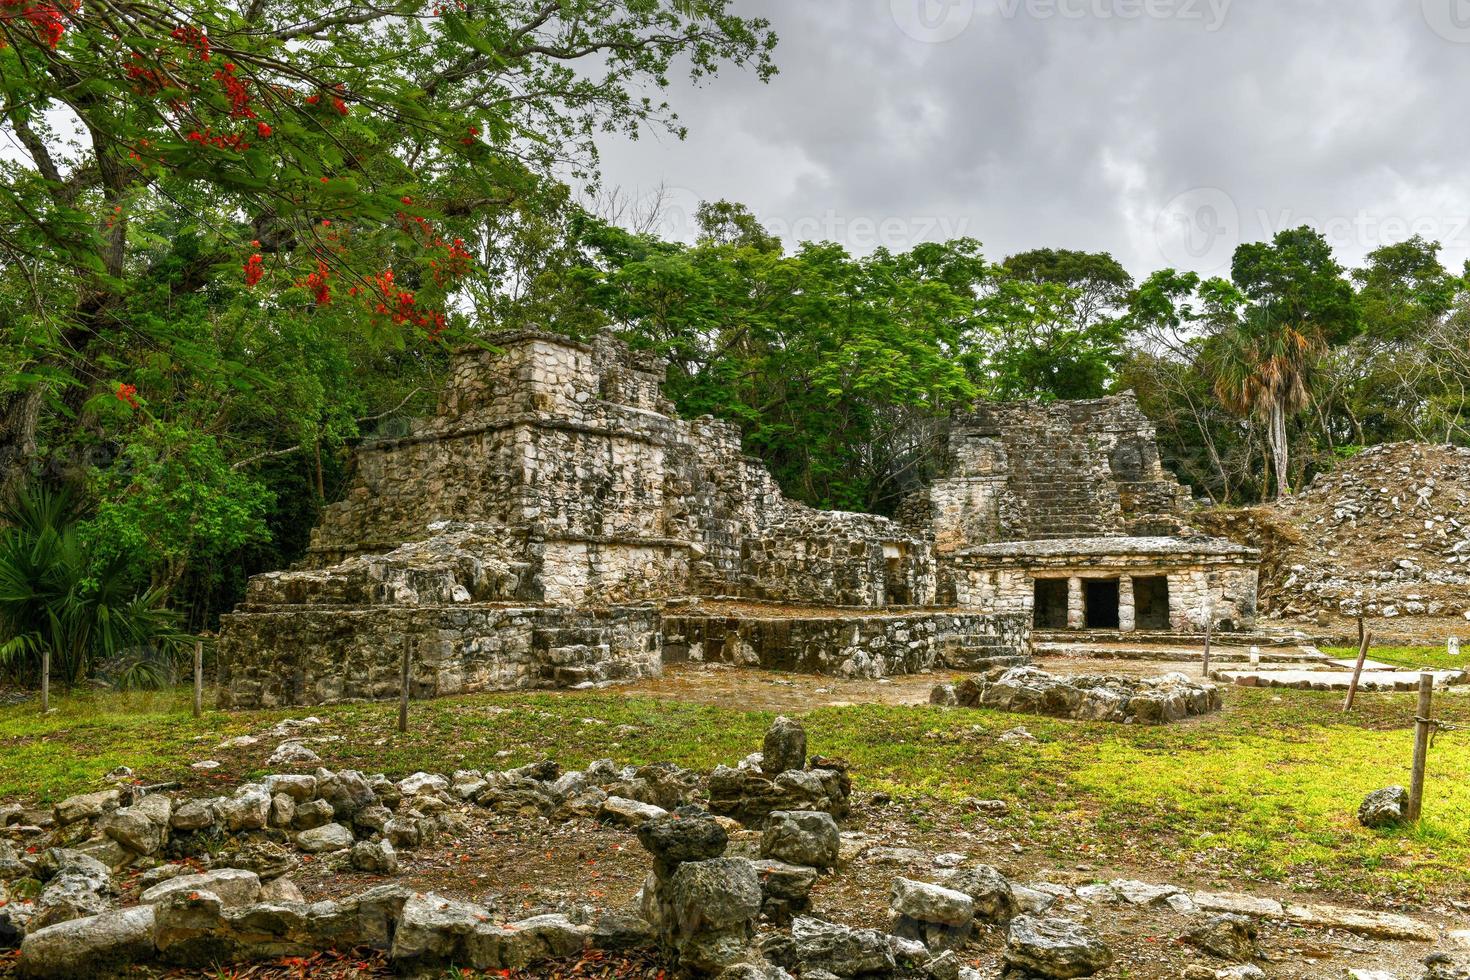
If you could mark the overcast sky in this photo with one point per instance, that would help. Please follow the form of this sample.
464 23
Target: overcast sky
1162 131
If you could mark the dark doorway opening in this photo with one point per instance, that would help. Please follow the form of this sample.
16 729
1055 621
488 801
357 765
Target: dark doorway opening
1050 604
1151 602
896 582
1101 598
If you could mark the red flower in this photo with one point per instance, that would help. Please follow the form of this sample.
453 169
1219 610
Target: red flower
263 129
254 269
127 393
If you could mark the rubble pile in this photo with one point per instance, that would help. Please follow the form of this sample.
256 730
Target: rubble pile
1386 535
1089 697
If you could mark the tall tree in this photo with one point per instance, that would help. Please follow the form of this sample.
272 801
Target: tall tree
322 158
1288 302
1055 323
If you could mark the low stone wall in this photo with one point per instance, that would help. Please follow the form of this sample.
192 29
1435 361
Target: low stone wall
315 655
847 646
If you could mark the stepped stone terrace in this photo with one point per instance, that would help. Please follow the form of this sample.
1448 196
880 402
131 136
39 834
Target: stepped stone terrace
555 524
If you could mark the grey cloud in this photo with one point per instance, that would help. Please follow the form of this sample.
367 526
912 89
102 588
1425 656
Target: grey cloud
1075 123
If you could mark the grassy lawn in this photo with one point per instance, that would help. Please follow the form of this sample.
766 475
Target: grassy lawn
1433 658
1268 789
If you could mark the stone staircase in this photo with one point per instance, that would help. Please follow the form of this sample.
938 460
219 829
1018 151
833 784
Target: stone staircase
977 651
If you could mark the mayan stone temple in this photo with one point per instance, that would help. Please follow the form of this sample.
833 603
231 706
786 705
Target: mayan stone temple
554 524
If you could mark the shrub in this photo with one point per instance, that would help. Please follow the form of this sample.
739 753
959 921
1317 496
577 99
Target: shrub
56 594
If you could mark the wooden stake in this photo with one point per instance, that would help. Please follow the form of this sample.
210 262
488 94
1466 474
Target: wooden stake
198 678
403 690
45 681
1421 746
1209 630
1365 639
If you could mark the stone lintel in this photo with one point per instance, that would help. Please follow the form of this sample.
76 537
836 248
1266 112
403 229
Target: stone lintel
1104 549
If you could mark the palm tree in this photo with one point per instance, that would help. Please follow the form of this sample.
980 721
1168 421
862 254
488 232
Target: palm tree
1289 300
1266 369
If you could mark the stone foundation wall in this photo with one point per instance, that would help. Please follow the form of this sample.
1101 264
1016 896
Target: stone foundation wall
307 655
848 646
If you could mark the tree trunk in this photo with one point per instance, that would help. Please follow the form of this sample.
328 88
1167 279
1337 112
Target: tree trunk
19 414
1280 451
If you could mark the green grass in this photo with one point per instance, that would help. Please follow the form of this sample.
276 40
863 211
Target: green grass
1433 658
1266 790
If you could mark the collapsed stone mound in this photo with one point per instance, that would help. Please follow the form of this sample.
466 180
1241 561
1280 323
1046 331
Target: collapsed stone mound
1090 697
1385 534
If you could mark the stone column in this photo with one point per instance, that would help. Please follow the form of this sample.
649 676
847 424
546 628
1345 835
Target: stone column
1076 606
1127 621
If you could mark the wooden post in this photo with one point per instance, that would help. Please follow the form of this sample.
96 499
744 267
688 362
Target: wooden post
1365 639
45 681
1421 746
1209 629
403 690
198 678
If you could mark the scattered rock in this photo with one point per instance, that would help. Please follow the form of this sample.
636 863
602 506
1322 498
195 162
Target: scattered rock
233 886
375 857
807 837
328 837
1229 937
989 892
91 946
687 834
784 747
293 754
1054 949
1384 807
1149 701
939 917
87 806
79 888
628 813
839 950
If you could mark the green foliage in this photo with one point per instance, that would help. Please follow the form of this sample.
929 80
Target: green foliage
827 362
60 595
1056 325
171 498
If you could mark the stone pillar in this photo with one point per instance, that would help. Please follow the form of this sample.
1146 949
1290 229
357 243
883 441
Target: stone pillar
1076 606
1127 621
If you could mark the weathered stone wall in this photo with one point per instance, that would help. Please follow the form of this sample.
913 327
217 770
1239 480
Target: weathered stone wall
310 655
1028 471
870 645
604 496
